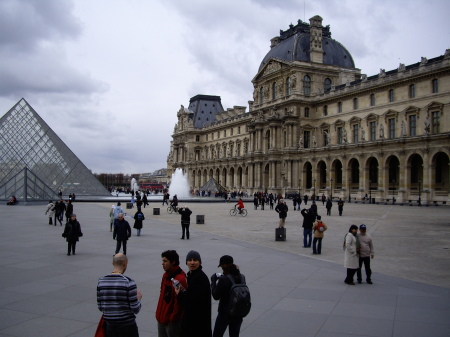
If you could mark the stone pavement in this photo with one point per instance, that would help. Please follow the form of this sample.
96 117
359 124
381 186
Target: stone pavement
44 292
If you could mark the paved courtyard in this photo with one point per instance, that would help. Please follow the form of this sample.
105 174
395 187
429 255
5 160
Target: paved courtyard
44 292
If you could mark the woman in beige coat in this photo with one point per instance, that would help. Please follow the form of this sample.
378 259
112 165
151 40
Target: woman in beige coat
351 259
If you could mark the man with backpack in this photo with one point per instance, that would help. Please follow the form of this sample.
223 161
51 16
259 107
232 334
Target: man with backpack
318 228
234 296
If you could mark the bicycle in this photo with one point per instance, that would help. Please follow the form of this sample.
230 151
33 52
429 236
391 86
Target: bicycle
172 209
235 211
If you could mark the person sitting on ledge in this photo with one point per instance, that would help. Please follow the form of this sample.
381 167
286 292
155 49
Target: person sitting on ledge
12 201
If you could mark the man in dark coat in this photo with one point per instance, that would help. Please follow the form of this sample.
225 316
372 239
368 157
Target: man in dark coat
185 221
122 231
220 290
282 210
308 221
340 206
138 218
72 232
196 300
328 206
60 208
69 210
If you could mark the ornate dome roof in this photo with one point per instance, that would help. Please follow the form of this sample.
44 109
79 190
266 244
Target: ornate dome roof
294 45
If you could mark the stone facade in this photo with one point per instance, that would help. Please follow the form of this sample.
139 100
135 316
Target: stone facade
316 128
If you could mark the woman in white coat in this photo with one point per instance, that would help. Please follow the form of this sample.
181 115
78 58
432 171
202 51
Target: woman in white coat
351 258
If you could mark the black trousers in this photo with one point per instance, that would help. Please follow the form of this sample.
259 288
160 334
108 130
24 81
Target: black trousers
366 261
223 321
123 244
71 247
117 330
350 275
185 229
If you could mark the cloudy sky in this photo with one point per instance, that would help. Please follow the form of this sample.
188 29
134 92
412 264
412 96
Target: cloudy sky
110 75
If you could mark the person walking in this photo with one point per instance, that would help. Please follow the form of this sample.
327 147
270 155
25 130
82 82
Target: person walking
308 222
119 299
282 210
138 218
196 299
351 260
111 217
340 206
220 290
328 206
122 231
69 210
117 210
50 211
168 311
319 229
60 208
185 221
72 233
366 253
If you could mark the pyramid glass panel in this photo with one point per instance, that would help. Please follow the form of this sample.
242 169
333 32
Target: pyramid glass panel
35 163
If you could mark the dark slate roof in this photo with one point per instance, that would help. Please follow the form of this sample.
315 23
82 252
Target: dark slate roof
295 46
204 109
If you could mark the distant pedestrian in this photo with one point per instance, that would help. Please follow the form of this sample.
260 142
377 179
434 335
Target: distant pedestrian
69 210
313 210
122 231
72 233
366 253
308 221
328 206
138 218
117 210
145 200
305 199
340 206
282 210
60 209
319 229
50 211
111 218
185 221
324 198
351 260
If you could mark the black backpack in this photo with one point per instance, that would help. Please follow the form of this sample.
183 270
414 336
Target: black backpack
239 303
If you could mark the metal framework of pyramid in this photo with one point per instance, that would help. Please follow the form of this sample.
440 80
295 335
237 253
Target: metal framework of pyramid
213 186
35 163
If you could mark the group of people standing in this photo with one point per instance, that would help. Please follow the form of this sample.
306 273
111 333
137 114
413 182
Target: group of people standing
184 304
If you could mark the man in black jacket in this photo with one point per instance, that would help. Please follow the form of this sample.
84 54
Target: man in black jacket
122 231
282 210
220 290
308 221
185 221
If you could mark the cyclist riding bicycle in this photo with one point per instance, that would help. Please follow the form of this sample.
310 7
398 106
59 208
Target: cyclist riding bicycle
240 205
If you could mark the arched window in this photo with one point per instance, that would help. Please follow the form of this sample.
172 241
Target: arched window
327 85
274 90
261 95
288 86
306 85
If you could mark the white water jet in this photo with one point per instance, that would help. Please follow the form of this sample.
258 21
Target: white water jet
179 185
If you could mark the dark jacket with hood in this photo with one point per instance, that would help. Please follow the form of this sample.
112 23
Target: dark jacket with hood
72 231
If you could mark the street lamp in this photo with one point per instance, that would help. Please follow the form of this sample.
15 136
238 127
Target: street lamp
370 191
419 193
314 189
331 193
393 199
349 190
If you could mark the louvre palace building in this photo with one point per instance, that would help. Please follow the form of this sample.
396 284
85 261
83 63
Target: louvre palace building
317 125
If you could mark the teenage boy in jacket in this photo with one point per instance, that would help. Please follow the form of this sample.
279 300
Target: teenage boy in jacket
168 312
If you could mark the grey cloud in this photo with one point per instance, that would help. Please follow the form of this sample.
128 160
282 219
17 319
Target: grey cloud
26 23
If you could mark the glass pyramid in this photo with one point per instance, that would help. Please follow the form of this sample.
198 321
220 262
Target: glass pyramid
35 163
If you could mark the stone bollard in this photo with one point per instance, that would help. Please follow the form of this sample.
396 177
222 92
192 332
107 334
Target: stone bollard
200 220
155 211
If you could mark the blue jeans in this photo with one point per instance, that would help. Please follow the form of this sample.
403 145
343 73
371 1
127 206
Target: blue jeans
222 321
307 235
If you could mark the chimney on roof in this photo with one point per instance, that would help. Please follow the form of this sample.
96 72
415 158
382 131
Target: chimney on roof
315 39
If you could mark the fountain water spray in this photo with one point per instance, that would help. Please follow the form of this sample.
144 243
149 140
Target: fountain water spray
179 185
